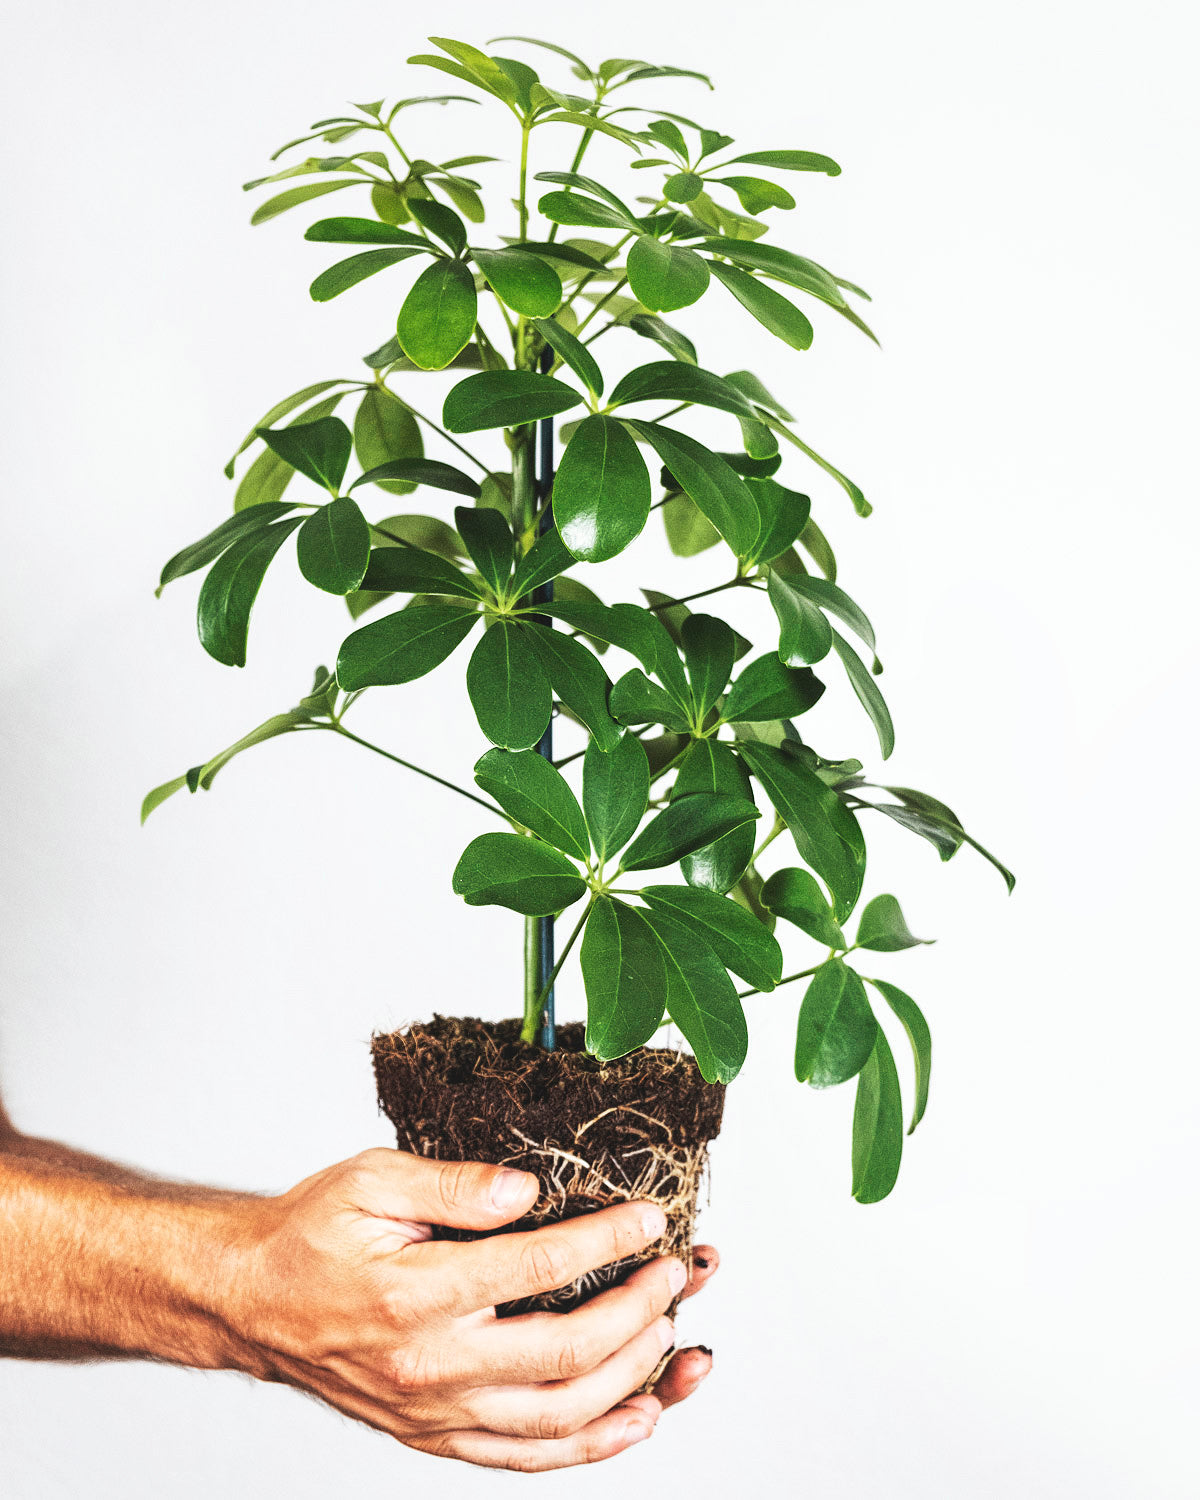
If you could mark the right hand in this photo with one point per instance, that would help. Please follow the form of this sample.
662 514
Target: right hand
342 1291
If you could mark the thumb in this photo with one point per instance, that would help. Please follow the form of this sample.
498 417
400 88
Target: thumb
457 1194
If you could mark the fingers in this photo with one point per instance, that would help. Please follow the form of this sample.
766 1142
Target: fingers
607 1436
461 1194
562 1408
560 1346
684 1373
705 1262
506 1267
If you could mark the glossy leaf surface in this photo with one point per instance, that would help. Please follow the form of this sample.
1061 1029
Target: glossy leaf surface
701 999
836 1028
616 789
507 687
505 398
334 546
878 1130
624 976
738 939
438 316
529 788
506 869
908 1013
402 646
601 490
685 825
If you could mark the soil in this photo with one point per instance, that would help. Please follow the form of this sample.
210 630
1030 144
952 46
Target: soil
461 1089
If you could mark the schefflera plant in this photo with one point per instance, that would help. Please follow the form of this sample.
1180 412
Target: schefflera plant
676 744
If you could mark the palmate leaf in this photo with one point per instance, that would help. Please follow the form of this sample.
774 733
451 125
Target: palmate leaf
908 1013
347 273
836 1029
507 869
577 680
505 398
709 648
334 546
738 939
882 927
601 490
768 690
616 789
531 790
438 316
795 896
199 554
507 687
385 431
878 1131
805 635
701 999
528 285
411 472
402 646
319 450
771 308
710 766
413 570
624 977
228 593
488 539
685 825
665 277
719 492
278 411
573 354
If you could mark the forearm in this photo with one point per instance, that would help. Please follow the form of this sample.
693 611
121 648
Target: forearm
96 1261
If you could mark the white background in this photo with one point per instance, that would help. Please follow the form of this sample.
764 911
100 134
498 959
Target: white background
1019 1318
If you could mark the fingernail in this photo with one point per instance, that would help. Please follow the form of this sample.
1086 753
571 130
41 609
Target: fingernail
508 1188
636 1432
666 1334
677 1276
654 1222
701 1261
704 1349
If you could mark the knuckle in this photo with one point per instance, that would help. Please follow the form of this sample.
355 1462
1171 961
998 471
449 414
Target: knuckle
558 1420
456 1183
546 1263
571 1358
412 1369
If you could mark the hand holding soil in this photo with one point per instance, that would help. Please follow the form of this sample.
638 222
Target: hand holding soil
399 1330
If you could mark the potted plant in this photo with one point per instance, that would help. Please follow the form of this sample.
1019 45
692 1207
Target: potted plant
642 824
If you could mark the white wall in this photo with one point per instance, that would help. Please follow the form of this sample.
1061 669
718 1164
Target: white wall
1019 1318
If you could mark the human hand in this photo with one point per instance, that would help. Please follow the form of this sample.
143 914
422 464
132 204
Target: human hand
342 1291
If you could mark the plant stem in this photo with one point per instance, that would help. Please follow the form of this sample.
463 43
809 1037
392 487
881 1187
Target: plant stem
803 974
733 583
534 997
420 770
779 827
521 204
608 296
454 443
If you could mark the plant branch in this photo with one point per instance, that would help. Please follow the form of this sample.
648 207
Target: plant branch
803 974
733 583
420 770
454 443
529 1028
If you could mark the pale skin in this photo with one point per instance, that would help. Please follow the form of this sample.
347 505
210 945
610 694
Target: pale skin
338 1288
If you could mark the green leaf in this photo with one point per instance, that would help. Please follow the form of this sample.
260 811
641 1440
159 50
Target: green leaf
685 825
712 484
596 189
507 687
825 831
159 795
438 315
385 431
545 560
440 221
908 1012
428 532
678 345
529 788
701 999
280 204
402 646
782 515
794 895
507 869
489 540
574 208
465 199
768 690
623 625
878 1136
280 409
350 231
708 654
682 187
341 276
771 308
738 939
790 161
616 789
319 450
709 766
601 490
862 506
416 571
207 549
505 398
753 389
417 471
334 547
528 285
836 1029
794 270
578 679
936 822
757 194
868 694
637 700
805 635
882 927
665 277
839 604
671 380
625 979
689 531
572 353
228 593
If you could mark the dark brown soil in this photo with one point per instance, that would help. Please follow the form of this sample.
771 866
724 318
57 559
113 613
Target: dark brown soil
594 1133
